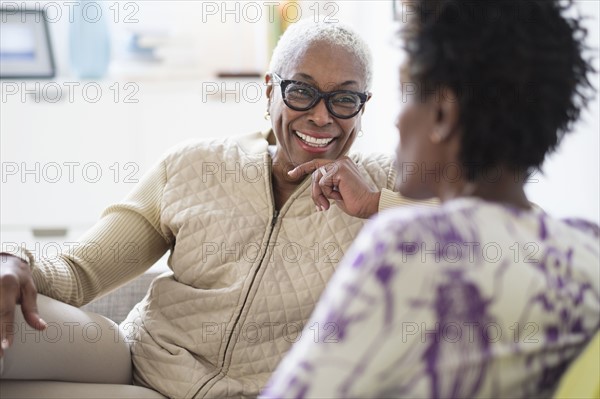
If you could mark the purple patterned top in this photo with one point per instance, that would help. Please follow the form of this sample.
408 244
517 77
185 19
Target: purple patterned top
473 299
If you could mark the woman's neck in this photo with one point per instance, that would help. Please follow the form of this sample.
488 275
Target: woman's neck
282 185
504 187
282 189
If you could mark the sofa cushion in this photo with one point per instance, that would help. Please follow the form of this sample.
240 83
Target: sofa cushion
117 304
53 389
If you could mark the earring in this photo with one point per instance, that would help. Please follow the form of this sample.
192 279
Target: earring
437 136
267 115
360 133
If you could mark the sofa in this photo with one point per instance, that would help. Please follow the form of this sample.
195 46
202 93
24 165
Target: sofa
22 379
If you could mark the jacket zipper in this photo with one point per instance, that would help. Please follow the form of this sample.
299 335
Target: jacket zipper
273 223
272 228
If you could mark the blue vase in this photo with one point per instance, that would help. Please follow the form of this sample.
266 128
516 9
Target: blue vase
89 40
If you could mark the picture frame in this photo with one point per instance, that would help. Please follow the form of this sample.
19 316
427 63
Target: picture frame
25 46
402 9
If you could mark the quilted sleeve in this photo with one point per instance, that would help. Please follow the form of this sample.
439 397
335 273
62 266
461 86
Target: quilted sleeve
390 199
120 246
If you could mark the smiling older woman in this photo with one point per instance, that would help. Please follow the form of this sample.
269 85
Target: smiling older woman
250 255
485 296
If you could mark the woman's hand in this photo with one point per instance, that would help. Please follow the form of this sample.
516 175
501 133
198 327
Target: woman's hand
16 287
340 180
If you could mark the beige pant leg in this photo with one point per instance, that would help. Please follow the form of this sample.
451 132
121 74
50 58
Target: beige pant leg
76 346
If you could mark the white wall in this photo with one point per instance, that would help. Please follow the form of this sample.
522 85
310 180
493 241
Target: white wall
570 186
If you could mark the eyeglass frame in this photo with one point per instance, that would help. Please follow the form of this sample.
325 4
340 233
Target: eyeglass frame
283 83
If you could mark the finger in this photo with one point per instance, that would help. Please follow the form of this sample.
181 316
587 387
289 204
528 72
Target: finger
8 302
316 193
308 167
329 183
7 330
29 306
7 321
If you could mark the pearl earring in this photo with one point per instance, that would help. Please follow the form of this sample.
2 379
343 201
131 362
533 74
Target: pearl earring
437 136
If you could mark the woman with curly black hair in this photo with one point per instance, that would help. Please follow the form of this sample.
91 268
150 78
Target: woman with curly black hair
486 296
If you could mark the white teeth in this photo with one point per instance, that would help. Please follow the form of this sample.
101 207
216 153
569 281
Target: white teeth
315 142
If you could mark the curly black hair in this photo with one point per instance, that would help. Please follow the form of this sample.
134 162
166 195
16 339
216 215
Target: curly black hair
517 68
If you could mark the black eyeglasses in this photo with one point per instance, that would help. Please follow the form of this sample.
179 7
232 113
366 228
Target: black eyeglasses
300 96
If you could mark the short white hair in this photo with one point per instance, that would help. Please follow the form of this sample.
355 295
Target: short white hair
299 36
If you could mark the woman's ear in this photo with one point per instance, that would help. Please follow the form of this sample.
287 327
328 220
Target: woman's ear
269 85
447 115
362 111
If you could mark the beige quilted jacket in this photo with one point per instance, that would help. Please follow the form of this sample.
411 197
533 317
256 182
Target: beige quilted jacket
245 278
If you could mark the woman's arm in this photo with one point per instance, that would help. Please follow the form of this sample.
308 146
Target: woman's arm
125 242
